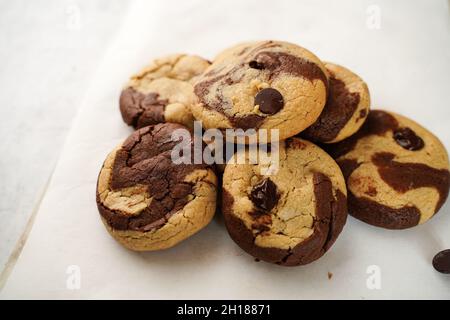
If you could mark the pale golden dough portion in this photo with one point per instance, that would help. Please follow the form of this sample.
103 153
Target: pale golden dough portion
365 181
293 216
303 99
353 83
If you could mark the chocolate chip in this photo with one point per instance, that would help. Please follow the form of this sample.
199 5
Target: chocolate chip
270 101
441 261
256 65
362 114
408 139
264 195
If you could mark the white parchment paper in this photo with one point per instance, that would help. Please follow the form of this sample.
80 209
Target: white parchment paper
405 59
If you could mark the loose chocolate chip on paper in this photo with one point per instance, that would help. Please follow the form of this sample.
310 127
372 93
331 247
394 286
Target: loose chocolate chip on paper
264 195
270 101
441 261
408 139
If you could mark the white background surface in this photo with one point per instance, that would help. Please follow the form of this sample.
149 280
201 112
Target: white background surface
49 51
406 63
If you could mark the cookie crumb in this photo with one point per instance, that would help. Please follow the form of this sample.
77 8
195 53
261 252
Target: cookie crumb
330 275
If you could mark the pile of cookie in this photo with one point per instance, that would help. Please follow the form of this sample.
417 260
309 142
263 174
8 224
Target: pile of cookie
334 155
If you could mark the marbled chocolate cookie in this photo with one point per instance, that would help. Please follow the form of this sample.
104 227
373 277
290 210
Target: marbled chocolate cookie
162 92
262 85
346 108
291 217
146 201
396 171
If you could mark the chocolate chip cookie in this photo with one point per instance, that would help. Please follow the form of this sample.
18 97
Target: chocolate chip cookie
291 217
162 92
346 108
262 85
396 171
146 201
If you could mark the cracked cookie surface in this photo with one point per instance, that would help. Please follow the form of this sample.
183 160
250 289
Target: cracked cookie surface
146 201
162 92
262 85
396 171
346 108
291 217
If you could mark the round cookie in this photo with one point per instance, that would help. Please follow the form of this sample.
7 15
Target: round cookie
262 85
162 92
146 201
291 217
346 108
396 171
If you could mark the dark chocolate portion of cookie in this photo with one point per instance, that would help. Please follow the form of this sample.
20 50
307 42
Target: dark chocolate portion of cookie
262 222
441 261
331 211
145 160
339 109
403 177
339 211
362 114
331 215
347 166
380 215
408 139
140 110
271 64
279 63
269 100
378 122
264 195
